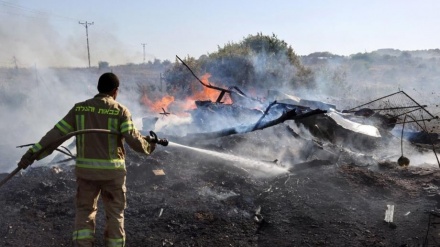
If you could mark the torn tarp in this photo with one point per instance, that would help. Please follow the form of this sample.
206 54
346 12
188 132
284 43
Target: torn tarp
353 126
281 97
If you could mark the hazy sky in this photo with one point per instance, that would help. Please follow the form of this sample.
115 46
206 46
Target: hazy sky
48 32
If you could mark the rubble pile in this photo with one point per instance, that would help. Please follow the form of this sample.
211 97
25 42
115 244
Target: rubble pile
322 199
296 175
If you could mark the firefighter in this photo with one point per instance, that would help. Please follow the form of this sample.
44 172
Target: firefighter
100 163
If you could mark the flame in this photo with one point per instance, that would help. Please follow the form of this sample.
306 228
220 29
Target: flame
189 103
206 94
157 105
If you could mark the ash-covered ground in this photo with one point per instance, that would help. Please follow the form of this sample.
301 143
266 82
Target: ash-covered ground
270 187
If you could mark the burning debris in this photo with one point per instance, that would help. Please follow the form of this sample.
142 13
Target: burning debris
368 128
274 171
365 128
216 192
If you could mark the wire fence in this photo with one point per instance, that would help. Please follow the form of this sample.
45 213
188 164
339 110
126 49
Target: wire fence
404 110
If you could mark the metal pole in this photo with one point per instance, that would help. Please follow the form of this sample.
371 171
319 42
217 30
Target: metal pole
143 45
374 100
87 24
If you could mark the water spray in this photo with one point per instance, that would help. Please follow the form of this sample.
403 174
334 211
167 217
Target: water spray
264 168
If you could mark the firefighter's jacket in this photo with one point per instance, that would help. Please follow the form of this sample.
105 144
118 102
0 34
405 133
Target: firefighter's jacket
100 156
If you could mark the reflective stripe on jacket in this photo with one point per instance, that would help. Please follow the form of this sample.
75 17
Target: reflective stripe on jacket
83 234
115 242
100 156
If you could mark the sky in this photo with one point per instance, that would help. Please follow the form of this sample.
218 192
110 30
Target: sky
48 32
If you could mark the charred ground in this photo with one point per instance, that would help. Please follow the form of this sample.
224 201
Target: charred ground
210 201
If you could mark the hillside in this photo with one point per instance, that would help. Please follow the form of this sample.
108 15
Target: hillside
376 74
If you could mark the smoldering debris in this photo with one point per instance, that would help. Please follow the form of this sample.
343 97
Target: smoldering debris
289 173
206 199
365 133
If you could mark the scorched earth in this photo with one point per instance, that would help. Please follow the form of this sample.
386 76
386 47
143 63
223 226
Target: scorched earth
271 187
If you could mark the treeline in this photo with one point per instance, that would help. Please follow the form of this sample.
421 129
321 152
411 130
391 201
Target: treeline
376 73
254 65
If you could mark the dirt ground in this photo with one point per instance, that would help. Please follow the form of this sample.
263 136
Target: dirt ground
282 194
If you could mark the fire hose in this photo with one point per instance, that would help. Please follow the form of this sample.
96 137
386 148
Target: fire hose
152 139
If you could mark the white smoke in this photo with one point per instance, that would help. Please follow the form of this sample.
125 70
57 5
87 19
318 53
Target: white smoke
38 39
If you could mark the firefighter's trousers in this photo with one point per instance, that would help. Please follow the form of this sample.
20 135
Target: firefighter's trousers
114 200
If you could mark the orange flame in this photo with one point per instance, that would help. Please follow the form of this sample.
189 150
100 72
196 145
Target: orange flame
189 103
206 94
158 105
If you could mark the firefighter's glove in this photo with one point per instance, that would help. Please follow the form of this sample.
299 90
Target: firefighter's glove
26 160
149 139
152 146
151 143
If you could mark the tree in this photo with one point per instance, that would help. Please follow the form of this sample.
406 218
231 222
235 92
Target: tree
179 80
257 63
260 61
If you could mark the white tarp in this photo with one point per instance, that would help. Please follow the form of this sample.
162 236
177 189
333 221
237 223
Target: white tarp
284 98
353 126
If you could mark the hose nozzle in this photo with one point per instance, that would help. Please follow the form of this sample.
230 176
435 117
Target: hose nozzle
153 139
